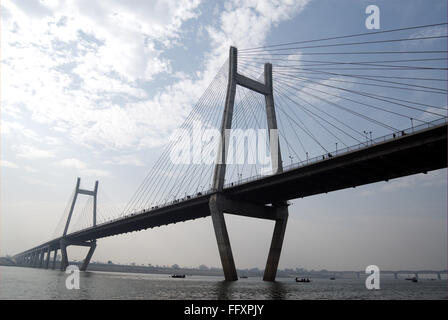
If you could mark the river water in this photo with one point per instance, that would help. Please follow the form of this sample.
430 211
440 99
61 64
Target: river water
29 283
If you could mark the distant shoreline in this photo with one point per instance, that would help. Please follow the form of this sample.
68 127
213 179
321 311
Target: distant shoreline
289 273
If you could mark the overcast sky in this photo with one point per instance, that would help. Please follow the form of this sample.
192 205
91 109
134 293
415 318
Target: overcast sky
95 88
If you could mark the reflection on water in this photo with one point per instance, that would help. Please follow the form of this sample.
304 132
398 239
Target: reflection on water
277 290
255 287
223 290
29 283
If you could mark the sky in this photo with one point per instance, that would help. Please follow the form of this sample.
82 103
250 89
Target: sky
94 90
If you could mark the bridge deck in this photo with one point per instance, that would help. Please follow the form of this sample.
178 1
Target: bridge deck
412 153
419 152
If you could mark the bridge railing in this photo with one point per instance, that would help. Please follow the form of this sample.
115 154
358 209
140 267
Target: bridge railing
338 152
153 208
368 143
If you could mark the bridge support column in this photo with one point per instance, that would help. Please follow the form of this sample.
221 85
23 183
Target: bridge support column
54 258
47 262
86 262
219 204
276 245
222 237
219 224
64 244
395 275
216 211
439 276
41 257
32 259
36 263
64 259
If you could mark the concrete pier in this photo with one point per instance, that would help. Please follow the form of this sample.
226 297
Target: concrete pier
55 254
64 258
86 261
276 246
222 238
216 209
47 263
41 257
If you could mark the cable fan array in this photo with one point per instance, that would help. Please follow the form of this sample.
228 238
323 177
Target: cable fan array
338 92
331 95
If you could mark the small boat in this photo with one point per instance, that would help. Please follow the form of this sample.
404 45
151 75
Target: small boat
303 280
332 278
413 279
178 276
243 277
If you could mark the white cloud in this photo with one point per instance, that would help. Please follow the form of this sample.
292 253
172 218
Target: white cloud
95 173
16 128
66 62
246 23
36 181
82 167
131 160
72 163
8 164
7 127
30 169
427 32
53 141
82 68
32 152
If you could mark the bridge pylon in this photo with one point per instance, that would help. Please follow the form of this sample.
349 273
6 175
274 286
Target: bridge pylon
220 203
65 241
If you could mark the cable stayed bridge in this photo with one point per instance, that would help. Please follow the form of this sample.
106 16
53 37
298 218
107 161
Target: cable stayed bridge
277 123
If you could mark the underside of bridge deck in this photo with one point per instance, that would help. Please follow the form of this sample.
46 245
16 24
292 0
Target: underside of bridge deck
416 153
